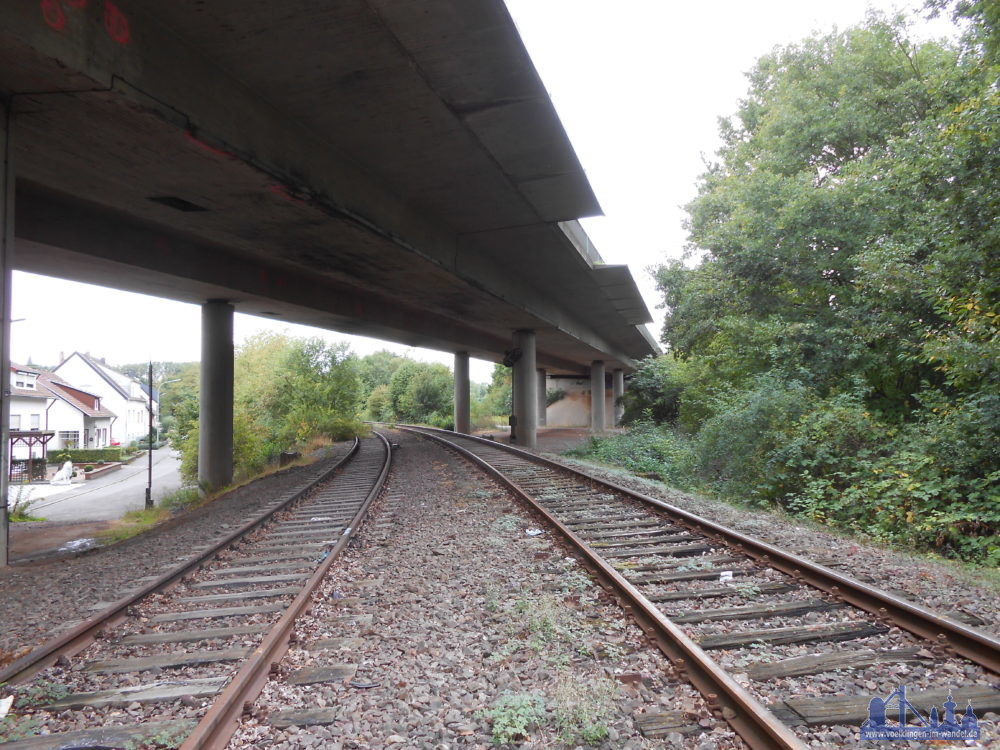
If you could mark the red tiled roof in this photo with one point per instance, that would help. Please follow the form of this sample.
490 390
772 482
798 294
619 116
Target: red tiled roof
59 388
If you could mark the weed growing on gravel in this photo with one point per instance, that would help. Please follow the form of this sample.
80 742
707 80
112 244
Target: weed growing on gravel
18 728
506 650
36 693
575 581
491 598
181 500
747 590
507 524
512 715
166 738
695 564
581 711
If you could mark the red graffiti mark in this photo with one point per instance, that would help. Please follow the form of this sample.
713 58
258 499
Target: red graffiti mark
194 139
53 14
286 193
115 23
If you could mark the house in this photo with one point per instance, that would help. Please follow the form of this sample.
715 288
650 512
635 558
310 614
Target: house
43 402
123 395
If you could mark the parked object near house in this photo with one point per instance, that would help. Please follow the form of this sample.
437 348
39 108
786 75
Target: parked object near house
124 395
64 475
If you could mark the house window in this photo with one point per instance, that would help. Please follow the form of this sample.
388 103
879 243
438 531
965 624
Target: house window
36 421
70 438
15 421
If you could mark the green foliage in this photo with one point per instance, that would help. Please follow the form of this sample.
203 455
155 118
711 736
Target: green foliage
165 738
378 407
377 369
493 405
554 396
835 351
423 393
647 449
582 710
513 715
285 392
14 728
95 455
20 510
36 693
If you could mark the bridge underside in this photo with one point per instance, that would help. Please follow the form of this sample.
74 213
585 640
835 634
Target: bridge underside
386 168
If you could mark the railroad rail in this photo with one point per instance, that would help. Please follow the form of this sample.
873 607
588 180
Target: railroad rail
244 594
665 563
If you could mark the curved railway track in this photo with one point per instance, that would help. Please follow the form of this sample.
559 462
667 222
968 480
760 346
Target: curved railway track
200 640
697 587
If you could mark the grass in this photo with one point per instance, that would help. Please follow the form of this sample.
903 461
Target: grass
135 522
20 512
581 711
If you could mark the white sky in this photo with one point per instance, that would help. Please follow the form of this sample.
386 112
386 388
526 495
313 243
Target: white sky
639 86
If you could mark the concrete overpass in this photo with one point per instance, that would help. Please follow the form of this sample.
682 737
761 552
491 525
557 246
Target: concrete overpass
380 167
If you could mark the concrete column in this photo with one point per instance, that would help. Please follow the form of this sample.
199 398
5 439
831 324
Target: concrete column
215 423
463 423
597 395
525 381
618 390
6 257
542 388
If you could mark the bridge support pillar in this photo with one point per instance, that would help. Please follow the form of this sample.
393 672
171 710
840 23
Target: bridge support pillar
525 383
6 258
463 423
597 395
215 423
542 405
617 391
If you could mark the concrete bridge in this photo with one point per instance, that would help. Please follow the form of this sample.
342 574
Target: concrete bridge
379 167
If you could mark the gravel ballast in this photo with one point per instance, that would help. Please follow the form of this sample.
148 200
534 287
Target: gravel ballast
451 619
42 599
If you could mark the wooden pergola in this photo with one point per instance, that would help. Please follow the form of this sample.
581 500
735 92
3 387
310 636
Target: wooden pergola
28 469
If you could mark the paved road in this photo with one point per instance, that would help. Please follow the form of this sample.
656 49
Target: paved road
109 496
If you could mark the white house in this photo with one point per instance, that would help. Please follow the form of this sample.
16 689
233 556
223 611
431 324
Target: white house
121 394
44 402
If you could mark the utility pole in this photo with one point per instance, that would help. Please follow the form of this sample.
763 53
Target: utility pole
149 485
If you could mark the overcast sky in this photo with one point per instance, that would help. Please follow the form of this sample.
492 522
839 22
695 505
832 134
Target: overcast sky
639 86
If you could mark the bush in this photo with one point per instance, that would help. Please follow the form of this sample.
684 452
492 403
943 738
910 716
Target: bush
95 455
88 468
647 449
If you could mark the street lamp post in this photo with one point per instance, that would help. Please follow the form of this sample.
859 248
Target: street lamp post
149 445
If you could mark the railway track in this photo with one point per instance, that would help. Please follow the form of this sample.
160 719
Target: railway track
697 589
179 660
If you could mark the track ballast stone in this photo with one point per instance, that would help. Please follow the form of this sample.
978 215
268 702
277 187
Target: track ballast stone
452 616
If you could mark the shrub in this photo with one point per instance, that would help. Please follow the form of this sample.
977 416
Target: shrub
88 468
647 449
513 715
94 455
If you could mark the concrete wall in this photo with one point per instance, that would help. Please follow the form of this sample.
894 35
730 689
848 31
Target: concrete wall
574 409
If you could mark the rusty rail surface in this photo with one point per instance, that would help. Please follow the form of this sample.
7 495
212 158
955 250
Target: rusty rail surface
216 728
727 699
943 632
78 638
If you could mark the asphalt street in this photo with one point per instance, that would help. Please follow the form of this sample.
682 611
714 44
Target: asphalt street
109 496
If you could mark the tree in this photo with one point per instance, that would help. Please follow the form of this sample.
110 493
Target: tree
837 348
377 369
421 392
